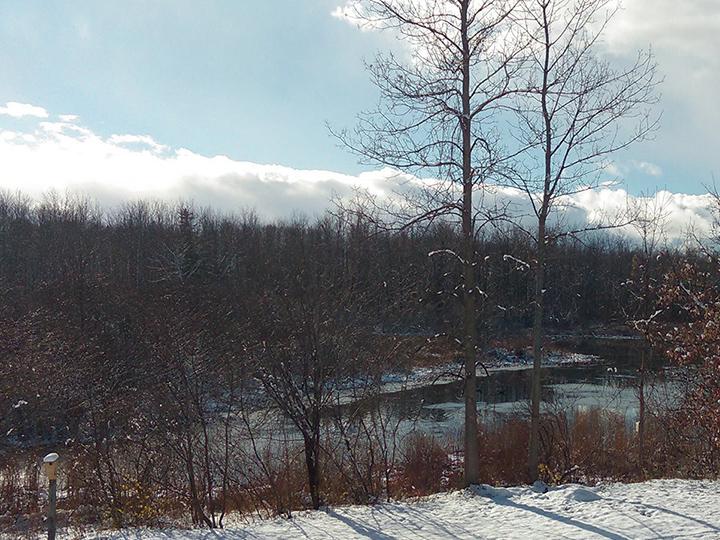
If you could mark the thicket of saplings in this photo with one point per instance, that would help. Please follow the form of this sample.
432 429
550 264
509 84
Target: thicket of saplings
187 364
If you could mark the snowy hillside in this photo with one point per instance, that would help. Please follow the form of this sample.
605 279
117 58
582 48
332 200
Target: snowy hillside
657 509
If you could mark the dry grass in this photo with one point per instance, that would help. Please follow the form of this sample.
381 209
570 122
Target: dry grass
583 447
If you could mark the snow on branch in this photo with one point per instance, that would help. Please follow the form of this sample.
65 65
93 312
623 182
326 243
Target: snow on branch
521 265
446 252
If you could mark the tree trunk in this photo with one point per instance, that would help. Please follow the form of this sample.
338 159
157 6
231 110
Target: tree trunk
312 454
536 386
547 197
472 457
641 415
471 453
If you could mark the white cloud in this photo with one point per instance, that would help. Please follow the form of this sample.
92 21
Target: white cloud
67 157
353 13
684 38
18 110
63 156
345 13
138 140
648 168
682 212
688 29
623 169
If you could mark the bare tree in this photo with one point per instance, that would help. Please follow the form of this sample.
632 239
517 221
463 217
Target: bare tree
436 119
651 218
313 336
570 123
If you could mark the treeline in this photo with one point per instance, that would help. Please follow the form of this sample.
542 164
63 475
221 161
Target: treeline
182 355
66 244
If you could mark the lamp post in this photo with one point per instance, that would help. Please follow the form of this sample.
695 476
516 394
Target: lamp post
50 465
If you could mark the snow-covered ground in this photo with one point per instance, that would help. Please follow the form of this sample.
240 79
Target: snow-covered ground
658 509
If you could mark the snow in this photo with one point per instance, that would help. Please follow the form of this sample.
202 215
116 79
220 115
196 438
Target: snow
496 359
650 510
521 265
500 359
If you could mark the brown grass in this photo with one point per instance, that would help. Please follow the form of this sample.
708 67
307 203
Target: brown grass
583 447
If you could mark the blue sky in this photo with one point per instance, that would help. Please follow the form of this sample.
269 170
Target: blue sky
256 81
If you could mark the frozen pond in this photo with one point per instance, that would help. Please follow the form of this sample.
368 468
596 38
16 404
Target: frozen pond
611 383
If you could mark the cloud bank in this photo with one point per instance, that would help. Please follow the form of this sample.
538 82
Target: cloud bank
61 154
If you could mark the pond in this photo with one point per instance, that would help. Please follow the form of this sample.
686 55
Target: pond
409 404
611 383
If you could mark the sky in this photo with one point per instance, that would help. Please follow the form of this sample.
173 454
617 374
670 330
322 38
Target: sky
227 101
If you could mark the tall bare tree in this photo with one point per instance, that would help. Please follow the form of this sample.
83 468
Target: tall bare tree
571 121
651 214
436 119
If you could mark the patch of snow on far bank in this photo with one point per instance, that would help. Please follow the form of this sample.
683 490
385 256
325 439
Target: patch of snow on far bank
500 358
497 359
